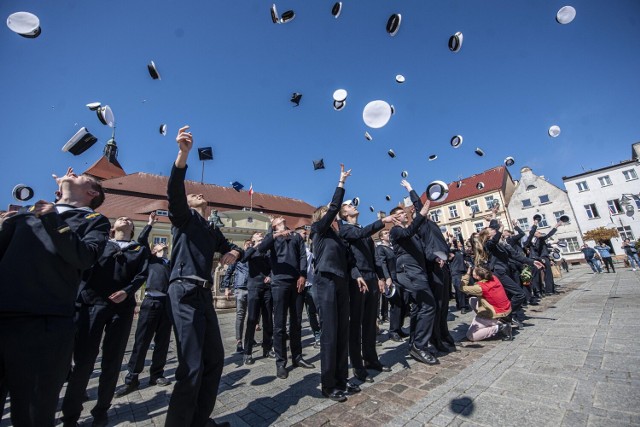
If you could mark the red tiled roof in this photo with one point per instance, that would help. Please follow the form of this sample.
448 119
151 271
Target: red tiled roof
137 194
103 169
493 179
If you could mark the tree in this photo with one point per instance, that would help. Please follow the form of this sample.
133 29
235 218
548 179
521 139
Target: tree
601 234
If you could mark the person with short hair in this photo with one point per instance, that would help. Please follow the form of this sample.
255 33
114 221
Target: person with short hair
591 256
632 254
195 323
237 276
605 254
44 249
309 290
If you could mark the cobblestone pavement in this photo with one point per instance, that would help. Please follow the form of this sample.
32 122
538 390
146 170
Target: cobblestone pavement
575 363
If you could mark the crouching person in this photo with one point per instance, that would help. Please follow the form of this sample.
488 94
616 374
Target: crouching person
491 304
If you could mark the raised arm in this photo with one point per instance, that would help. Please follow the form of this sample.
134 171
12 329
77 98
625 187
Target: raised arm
323 224
178 206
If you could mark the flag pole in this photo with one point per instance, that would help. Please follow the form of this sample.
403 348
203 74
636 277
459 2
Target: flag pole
251 207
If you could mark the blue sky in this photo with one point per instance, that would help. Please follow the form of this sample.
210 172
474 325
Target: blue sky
229 72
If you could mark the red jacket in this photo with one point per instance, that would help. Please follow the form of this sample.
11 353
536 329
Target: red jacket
494 293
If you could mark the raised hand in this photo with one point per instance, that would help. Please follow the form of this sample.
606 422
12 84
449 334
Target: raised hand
184 139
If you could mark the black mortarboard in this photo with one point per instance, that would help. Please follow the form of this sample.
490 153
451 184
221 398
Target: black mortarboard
205 153
479 152
153 71
537 217
296 97
163 129
336 9
22 193
80 142
433 157
388 198
391 153
564 218
456 141
287 16
371 208
318 164
25 24
237 186
393 24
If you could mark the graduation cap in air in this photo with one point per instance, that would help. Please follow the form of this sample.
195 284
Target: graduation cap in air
336 9
205 153
25 24
400 78
237 186
393 24
388 198
479 152
556 255
80 142
562 244
274 14
287 16
296 97
480 185
339 99
368 136
564 219
22 193
456 141
318 164
371 208
509 161
163 129
376 114
554 131
355 202
432 157
459 184
437 191
404 174
455 42
565 15
93 106
153 71
391 153
105 115
537 217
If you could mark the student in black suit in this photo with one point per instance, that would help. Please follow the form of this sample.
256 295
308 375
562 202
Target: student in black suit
43 251
412 276
195 323
334 265
105 305
363 307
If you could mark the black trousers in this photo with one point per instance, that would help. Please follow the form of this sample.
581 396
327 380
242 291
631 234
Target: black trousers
153 323
549 284
35 354
92 321
312 311
363 309
514 291
259 301
461 297
384 307
608 262
200 355
287 301
332 300
440 283
398 309
414 281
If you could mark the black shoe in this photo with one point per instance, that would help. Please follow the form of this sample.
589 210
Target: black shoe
506 331
86 397
127 388
352 388
316 344
248 359
423 356
269 354
403 334
464 311
533 302
362 375
394 336
301 363
100 421
161 381
281 372
70 424
377 367
239 348
335 395
516 324
212 423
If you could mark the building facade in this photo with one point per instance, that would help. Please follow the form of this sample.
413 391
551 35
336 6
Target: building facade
535 195
600 198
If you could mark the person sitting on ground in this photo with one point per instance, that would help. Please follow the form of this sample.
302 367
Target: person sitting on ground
491 304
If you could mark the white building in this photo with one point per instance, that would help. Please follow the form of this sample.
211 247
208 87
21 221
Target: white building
535 195
596 198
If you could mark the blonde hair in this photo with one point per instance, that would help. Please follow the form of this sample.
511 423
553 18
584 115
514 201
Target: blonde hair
481 255
319 213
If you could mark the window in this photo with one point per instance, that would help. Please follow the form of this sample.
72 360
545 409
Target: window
543 222
159 240
435 215
544 198
523 223
489 200
531 187
630 174
604 180
626 233
614 206
473 204
572 244
453 211
557 215
582 186
592 212
479 226
526 203
457 232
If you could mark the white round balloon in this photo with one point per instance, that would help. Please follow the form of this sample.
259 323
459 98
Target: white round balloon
376 114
